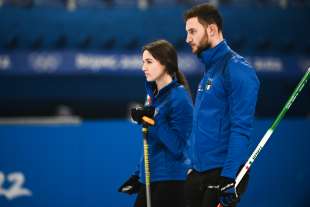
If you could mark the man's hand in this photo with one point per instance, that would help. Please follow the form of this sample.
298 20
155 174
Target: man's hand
228 192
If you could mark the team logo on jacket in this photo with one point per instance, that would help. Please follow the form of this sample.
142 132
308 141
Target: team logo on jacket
148 101
206 87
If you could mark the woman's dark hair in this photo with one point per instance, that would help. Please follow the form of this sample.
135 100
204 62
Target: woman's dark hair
165 53
206 14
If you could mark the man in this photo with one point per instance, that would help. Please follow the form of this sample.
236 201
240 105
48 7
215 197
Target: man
223 114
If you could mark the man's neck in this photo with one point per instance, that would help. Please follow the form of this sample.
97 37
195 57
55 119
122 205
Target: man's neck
217 40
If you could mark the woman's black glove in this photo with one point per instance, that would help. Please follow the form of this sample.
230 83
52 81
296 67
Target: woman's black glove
131 186
139 112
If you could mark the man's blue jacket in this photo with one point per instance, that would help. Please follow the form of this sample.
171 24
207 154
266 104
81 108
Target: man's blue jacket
223 112
168 139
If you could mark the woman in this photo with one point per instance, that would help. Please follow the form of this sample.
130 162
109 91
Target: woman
167 91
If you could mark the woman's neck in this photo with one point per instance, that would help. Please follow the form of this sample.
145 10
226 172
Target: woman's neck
163 81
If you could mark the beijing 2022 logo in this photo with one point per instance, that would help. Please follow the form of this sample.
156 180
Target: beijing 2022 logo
15 186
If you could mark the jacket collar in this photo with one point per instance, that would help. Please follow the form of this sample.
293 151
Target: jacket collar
212 55
150 88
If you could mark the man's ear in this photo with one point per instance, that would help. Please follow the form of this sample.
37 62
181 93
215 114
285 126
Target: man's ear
212 29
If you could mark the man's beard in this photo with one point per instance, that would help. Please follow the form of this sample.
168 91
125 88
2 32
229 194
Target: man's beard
203 45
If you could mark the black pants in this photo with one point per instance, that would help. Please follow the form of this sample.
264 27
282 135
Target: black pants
163 194
196 193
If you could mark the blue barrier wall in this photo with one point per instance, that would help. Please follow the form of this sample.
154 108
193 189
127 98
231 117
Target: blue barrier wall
83 165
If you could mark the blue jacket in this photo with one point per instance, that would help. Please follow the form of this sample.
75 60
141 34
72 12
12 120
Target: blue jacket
168 138
224 112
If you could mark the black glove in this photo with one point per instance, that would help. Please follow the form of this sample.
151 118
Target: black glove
131 186
228 192
138 112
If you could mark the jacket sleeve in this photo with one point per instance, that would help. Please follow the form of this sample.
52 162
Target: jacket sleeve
175 131
242 89
137 170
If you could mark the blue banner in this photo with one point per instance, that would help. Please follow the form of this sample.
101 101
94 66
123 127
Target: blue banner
78 62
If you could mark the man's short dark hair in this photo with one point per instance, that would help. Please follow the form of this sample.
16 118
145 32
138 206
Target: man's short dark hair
206 14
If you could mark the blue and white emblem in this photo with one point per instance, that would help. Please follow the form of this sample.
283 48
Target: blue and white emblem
208 85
